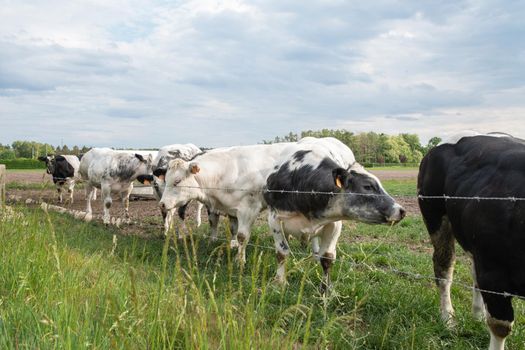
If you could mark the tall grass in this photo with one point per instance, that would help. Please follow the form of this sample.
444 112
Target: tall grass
72 285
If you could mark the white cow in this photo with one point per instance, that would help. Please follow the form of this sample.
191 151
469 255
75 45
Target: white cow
112 172
228 180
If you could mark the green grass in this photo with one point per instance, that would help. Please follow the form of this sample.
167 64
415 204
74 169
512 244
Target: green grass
73 285
401 187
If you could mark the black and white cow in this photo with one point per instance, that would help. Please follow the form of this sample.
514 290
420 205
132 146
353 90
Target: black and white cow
112 172
157 180
64 170
228 181
348 192
492 232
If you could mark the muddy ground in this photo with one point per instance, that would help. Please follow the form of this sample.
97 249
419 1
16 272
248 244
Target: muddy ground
144 212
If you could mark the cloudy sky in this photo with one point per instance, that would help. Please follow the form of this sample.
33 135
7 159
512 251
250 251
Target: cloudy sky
147 73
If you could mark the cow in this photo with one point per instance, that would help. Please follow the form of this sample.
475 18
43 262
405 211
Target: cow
228 181
346 192
64 170
112 172
490 231
159 167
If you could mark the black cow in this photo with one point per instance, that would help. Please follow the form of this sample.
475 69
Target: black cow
491 231
64 169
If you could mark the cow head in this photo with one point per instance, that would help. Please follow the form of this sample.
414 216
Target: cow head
180 184
50 163
144 165
363 198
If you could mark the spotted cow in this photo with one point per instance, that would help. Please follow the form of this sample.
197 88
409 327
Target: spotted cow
112 172
316 184
64 170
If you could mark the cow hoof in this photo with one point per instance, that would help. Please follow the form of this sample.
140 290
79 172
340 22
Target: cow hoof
88 217
233 243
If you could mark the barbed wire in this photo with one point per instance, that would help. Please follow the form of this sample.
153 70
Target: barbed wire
342 193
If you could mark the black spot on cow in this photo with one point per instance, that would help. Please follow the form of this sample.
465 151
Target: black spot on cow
304 178
125 168
299 155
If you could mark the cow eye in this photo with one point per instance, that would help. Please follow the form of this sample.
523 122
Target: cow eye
368 187
176 182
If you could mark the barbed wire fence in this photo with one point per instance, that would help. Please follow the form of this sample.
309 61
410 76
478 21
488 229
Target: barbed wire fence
383 269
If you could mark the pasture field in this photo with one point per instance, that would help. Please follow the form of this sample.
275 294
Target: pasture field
67 284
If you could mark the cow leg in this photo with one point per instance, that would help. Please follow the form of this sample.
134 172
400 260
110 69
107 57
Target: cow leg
213 218
70 190
500 317
245 222
443 258
329 236
315 248
124 197
59 191
94 193
89 191
106 195
234 225
281 247
199 210
478 308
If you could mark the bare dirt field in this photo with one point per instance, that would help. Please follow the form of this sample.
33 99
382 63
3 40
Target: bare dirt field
145 212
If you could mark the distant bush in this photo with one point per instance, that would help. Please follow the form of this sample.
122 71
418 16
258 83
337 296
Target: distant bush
7 154
23 163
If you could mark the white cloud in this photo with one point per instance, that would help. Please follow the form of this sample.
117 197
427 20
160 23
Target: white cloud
142 73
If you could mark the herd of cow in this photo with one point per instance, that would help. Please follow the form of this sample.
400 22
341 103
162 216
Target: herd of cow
310 186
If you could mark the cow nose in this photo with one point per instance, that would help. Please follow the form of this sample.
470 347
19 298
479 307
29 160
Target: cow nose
397 214
402 212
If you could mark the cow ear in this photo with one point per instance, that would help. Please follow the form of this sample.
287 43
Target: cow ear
139 157
42 159
340 175
194 168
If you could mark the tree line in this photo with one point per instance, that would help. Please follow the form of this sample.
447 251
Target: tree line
370 147
33 150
